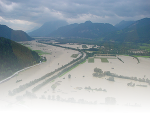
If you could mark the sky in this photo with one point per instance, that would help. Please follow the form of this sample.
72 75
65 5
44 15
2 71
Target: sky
30 14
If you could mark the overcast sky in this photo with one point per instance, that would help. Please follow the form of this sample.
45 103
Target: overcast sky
28 14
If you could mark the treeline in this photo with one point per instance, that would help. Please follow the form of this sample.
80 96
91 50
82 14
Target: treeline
126 77
136 58
100 74
120 59
99 89
14 57
3 109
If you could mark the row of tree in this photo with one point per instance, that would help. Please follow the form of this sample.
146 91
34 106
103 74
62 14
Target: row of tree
126 77
99 89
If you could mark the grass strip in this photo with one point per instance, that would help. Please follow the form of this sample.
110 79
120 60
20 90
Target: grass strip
69 70
104 60
90 60
40 52
73 68
142 56
74 55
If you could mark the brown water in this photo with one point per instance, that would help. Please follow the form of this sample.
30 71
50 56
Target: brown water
117 89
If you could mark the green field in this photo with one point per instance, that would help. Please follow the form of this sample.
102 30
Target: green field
84 46
142 56
104 60
74 55
40 52
90 60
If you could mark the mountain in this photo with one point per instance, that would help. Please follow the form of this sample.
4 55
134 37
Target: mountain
47 28
62 31
123 24
15 35
85 30
14 56
139 32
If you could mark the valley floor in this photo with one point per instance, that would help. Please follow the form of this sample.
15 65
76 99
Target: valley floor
73 89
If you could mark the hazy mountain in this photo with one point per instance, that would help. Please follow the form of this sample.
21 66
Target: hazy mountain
14 56
139 31
123 24
85 30
15 35
47 28
62 31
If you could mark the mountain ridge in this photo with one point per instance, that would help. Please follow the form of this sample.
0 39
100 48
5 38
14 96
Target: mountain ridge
47 28
14 56
15 35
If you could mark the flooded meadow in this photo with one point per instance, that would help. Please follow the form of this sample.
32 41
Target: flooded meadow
82 77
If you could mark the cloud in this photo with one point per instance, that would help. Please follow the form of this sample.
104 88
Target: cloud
74 11
19 24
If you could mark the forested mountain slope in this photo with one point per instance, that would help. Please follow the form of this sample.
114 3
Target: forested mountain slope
138 32
15 35
14 56
84 30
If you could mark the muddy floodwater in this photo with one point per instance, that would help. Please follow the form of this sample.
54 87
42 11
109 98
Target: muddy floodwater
67 88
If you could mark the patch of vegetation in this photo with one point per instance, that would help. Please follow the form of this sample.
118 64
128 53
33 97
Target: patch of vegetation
90 60
111 79
99 89
40 52
98 73
84 46
131 84
104 60
74 55
142 56
126 77
18 81
142 85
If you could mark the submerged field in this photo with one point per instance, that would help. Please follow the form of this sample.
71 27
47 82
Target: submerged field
78 85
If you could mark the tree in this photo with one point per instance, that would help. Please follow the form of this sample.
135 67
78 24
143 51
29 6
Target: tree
53 86
19 98
69 76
